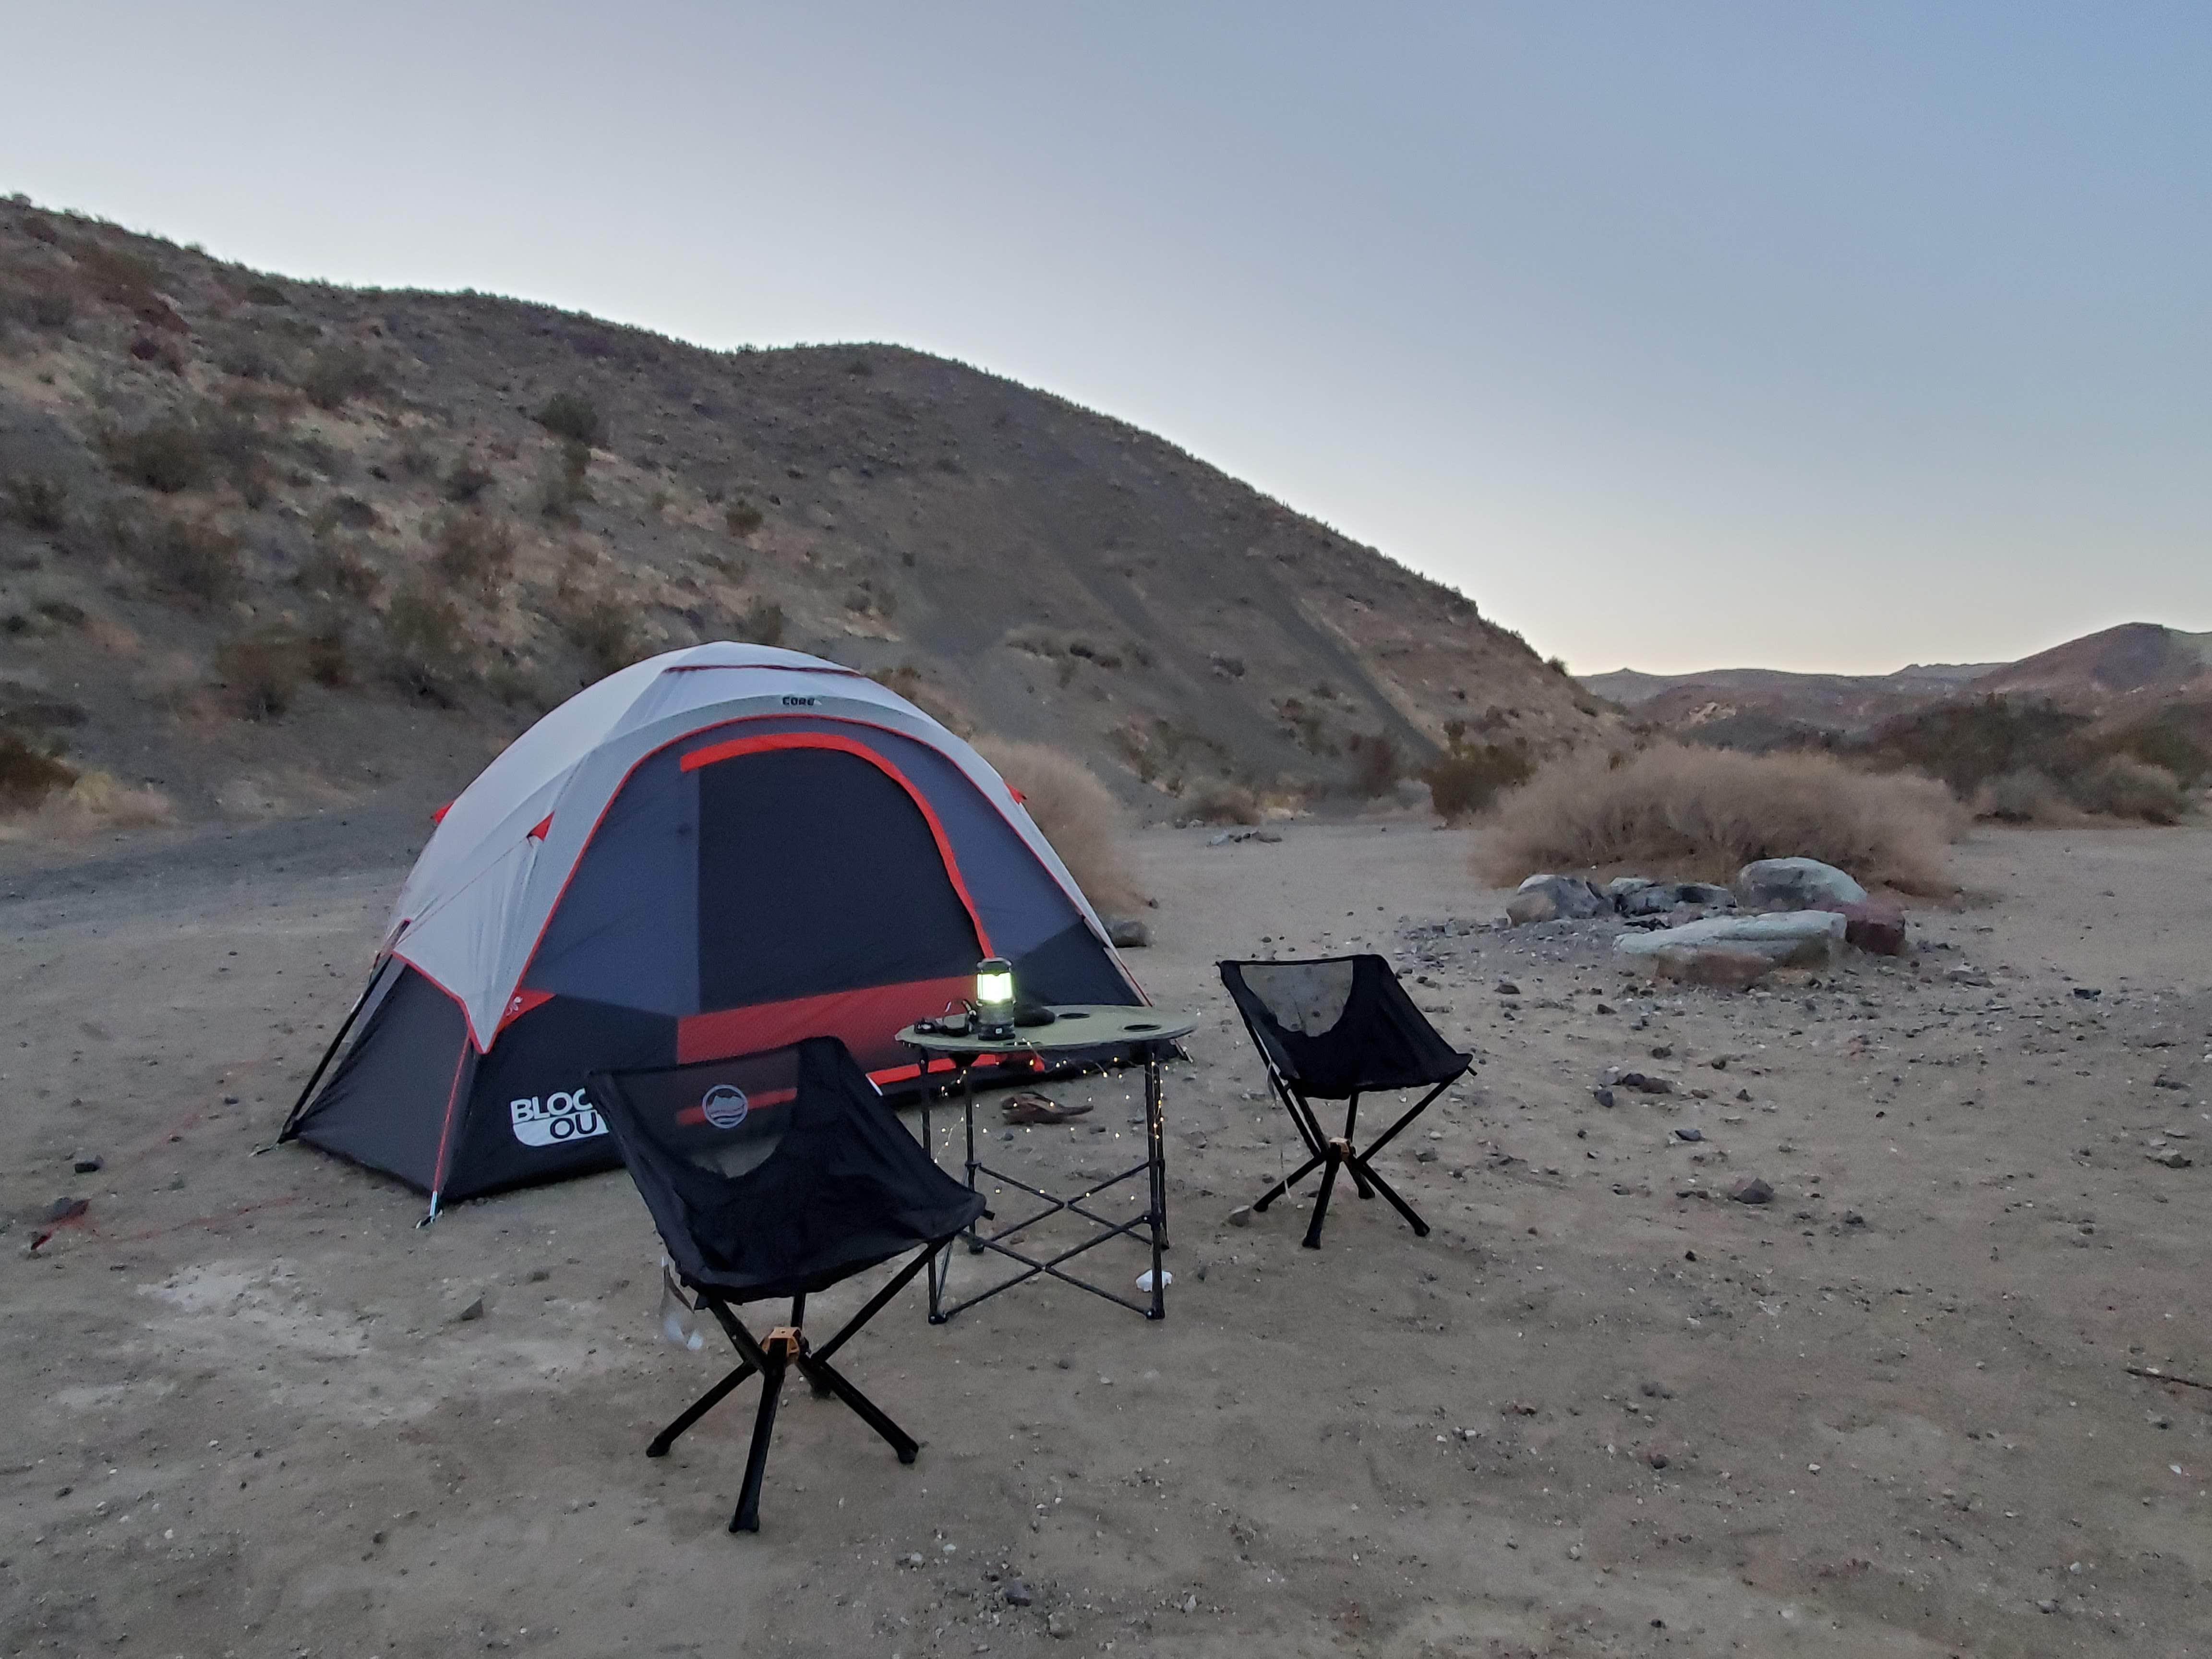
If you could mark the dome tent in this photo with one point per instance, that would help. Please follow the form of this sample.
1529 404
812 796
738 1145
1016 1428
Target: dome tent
721 849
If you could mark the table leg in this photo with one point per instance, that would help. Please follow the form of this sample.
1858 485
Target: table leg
1155 1154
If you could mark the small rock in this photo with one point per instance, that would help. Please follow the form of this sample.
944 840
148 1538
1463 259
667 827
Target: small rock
1425 1155
2088 993
1752 1190
1604 1096
1693 1132
89 1165
474 1311
1127 932
66 1209
1853 1218
1019 1593
2173 1157
539 1275
1643 1085
1506 988
1058 1624
912 1559
1962 975
1662 1051
1241 1215
1656 1459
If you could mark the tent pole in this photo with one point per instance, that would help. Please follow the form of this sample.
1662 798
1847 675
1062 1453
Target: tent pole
292 1118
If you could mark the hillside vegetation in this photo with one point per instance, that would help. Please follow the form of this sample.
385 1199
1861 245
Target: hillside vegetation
267 545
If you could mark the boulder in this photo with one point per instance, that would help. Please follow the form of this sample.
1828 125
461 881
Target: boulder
1795 884
1874 927
1721 968
1656 898
1794 939
1127 932
1551 898
1621 886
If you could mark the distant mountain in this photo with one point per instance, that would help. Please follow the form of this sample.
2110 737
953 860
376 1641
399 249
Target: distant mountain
2135 660
271 545
2134 665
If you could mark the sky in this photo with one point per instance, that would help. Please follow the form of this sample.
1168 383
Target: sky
1828 336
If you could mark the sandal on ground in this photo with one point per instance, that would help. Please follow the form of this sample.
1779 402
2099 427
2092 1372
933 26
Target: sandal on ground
1031 1107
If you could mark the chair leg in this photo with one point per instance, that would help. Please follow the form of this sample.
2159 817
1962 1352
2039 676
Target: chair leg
697 1409
1421 1227
747 1519
1312 1240
827 1379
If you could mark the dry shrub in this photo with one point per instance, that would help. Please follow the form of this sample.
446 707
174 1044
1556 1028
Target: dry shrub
168 456
573 415
762 624
336 374
2027 796
1078 814
27 773
264 669
741 518
1375 765
196 558
1694 813
1225 803
40 500
2126 788
604 629
92 803
1466 781
428 647
476 554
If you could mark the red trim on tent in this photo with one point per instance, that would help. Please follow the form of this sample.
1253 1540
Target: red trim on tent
439 816
773 667
520 1004
777 740
614 794
539 829
861 1019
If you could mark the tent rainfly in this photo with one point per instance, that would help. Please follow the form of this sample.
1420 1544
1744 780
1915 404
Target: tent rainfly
719 850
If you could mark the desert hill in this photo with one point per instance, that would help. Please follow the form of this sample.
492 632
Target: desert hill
268 545
2134 661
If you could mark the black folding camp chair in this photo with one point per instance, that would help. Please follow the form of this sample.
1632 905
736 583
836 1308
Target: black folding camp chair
779 1173
1335 1029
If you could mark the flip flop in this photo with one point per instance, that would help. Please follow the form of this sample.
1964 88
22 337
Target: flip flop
1030 1107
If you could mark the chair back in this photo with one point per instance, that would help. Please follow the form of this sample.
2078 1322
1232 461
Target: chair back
780 1172
1336 1026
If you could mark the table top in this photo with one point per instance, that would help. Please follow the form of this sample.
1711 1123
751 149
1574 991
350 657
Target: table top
1079 1026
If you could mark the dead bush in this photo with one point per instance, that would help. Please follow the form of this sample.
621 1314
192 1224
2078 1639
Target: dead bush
761 623
465 480
1078 814
93 803
606 632
262 671
1466 780
1694 813
429 655
741 518
194 557
1374 766
2027 796
169 455
476 554
28 773
563 483
573 415
337 373
340 570
2126 788
40 500
1225 803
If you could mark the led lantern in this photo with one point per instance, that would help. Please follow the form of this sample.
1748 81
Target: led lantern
995 997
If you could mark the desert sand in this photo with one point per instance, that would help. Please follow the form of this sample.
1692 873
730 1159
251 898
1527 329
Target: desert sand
1602 1409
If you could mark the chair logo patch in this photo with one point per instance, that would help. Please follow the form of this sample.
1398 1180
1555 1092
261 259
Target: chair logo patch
555 1119
725 1107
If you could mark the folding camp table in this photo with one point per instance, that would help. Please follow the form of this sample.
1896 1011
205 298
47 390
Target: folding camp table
1150 1031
